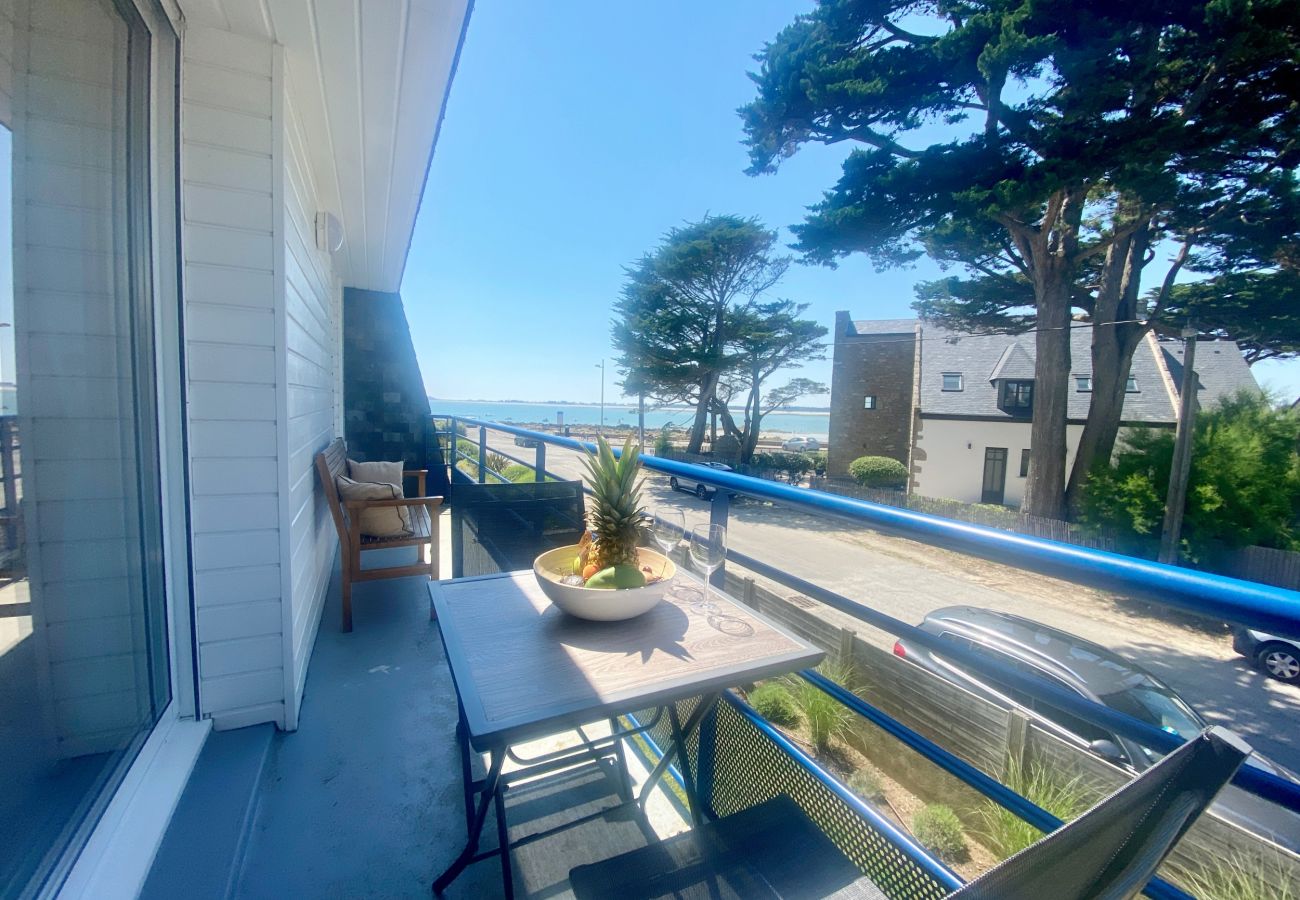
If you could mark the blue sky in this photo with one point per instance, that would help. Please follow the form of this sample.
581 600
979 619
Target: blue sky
576 134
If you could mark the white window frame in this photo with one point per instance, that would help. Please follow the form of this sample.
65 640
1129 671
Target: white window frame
943 383
1083 384
116 857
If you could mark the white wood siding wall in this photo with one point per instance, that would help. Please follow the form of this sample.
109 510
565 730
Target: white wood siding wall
313 321
230 231
263 310
64 92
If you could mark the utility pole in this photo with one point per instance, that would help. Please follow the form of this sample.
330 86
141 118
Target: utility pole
640 419
1176 500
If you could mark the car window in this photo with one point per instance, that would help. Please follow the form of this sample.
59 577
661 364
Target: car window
1070 722
1163 709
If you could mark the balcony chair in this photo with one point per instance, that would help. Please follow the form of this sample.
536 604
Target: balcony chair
773 849
504 527
332 462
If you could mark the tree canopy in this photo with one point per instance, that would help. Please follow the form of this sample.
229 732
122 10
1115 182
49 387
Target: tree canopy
694 323
1244 486
1046 149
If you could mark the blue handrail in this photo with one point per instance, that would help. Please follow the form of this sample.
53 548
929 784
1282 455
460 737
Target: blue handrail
1272 609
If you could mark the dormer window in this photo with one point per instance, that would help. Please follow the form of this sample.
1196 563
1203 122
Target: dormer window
1083 383
1016 397
952 381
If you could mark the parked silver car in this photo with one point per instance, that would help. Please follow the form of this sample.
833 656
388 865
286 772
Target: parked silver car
1097 674
800 444
1278 657
698 488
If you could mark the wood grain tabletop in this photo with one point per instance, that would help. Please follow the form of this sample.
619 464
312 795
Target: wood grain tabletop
524 669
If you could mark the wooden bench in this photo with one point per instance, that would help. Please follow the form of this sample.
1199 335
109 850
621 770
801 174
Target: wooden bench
332 462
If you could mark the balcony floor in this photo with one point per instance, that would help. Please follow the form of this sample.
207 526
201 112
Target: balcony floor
364 800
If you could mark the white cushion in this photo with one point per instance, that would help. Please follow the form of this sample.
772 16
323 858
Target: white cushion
383 472
380 521
380 472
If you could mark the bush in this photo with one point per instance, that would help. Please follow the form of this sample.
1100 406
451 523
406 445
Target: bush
827 717
1243 487
774 703
938 828
663 445
878 472
792 465
819 462
519 473
867 785
1241 876
1005 833
498 463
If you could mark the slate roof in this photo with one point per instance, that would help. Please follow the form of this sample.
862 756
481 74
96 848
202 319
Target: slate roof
1015 363
884 326
980 358
1221 371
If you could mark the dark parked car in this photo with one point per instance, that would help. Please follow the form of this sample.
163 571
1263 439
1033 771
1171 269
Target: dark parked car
521 441
698 488
1098 674
1278 657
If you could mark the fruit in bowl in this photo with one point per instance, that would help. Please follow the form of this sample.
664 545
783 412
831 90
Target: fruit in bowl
608 576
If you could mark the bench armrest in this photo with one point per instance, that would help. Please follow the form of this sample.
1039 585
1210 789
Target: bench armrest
419 475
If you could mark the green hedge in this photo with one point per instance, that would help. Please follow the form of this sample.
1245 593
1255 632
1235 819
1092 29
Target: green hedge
878 472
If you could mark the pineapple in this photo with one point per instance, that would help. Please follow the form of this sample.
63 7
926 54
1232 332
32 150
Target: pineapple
617 519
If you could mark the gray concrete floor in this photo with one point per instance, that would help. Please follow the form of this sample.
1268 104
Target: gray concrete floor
364 800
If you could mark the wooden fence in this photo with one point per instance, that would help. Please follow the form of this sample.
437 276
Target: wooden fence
988 737
977 513
1263 564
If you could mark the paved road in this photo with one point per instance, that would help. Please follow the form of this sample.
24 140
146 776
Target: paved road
907 580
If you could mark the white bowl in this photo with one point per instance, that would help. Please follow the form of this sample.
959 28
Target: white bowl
601 604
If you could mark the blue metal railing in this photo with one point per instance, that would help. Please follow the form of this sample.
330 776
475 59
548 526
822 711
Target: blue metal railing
1265 607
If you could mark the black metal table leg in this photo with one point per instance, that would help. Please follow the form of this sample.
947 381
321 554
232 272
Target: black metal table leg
503 841
490 786
679 739
625 779
681 731
466 771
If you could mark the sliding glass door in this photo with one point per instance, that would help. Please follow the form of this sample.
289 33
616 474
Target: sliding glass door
84 665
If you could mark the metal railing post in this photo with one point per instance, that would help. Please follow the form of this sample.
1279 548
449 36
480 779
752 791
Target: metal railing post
539 467
719 510
482 454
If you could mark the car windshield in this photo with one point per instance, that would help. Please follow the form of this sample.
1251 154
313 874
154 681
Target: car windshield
1157 706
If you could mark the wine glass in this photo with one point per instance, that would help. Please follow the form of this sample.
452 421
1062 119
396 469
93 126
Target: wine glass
708 545
668 528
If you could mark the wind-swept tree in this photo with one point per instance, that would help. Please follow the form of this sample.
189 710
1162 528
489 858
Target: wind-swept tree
766 339
1044 147
675 322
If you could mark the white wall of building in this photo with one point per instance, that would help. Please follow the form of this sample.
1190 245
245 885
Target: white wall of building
949 458
230 222
313 313
262 322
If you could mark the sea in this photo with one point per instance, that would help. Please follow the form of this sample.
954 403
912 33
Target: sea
813 423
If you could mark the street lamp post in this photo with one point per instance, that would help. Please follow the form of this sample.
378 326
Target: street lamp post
602 395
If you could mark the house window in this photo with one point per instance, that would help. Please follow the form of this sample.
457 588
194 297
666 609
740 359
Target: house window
952 381
1083 383
869 401
1024 463
1017 397
1131 386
